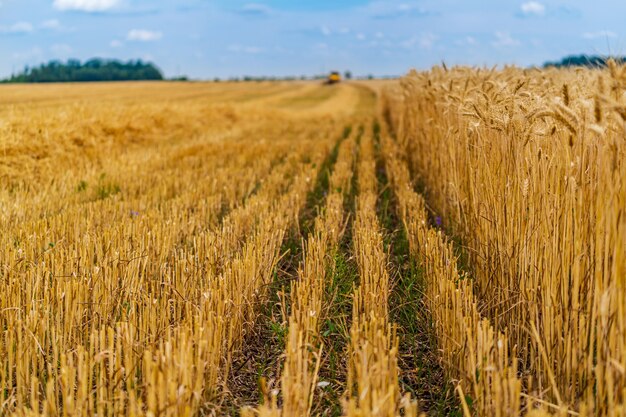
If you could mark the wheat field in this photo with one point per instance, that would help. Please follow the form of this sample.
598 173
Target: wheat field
449 243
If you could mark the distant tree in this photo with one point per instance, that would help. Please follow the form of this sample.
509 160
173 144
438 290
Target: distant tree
592 61
95 69
348 75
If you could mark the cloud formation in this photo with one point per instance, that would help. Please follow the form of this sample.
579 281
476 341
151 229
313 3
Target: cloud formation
504 39
599 34
466 41
255 9
286 37
53 24
533 8
61 49
245 49
386 10
86 5
32 53
142 35
17 28
427 40
424 41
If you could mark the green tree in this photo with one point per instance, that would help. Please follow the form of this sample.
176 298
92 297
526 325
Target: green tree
95 69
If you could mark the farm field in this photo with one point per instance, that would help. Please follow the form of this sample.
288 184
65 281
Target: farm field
449 243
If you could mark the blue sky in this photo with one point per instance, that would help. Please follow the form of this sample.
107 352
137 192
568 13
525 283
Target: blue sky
222 38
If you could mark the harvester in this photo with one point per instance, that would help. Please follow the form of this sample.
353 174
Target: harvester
333 78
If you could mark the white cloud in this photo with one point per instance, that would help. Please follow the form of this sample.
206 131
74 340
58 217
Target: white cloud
409 43
390 10
379 35
424 41
116 44
326 31
61 49
533 8
255 9
85 5
143 35
31 54
504 39
360 36
245 49
18 27
467 41
427 40
51 24
600 34
381 43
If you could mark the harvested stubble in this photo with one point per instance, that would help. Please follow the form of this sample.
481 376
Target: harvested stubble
116 301
372 387
176 329
303 350
132 276
527 168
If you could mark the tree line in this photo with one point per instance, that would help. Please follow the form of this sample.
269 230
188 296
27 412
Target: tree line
92 70
585 61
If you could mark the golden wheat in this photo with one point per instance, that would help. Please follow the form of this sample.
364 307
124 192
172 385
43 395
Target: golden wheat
526 167
303 348
372 386
127 293
142 227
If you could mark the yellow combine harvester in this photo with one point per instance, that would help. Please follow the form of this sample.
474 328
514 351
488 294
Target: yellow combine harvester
333 78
